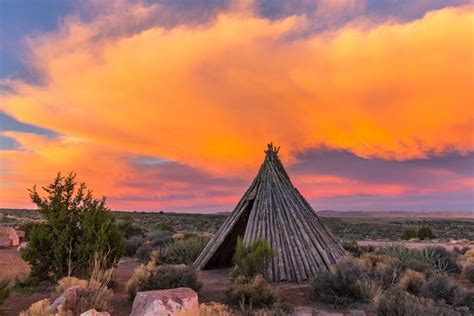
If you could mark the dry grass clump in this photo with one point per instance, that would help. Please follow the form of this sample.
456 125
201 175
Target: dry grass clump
214 309
40 308
251 292
68 282
412 281
152 277
468 258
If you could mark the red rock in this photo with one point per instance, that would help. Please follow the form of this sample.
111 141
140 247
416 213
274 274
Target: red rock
5 241
11 234
179 301
71 294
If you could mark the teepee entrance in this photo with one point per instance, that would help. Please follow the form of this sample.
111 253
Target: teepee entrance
274 210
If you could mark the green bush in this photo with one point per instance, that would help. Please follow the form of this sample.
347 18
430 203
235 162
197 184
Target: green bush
396 302
143 252
77 225
132 245
4 290
251 292
409 234
441 288
353 248
251 260
469 273
129 228
341 287
161 278
183 251
163 226
425 233
442 259
160 238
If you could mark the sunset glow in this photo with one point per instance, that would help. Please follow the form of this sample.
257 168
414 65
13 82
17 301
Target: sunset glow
159 106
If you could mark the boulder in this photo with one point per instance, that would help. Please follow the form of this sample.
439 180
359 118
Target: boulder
71 294
10 233
5 241
93 312
179 301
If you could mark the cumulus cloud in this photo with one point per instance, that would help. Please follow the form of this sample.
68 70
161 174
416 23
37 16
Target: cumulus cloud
210 95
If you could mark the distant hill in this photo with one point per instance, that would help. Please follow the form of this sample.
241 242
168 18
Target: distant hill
400 214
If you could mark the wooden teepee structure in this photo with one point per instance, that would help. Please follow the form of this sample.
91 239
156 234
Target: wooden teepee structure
274 210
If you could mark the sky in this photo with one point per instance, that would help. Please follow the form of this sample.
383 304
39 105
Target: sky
169 104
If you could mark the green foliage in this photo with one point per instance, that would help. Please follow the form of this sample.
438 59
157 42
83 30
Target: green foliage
251 292
163 226
143 252
129 228
353 248
441 288
160 238
184 251
469 273
425 233
77 225
162 277
4 290
28 227
251 260
409 234
341 287
132 245
396 302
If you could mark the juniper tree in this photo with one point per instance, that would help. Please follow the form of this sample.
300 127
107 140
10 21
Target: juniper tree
76 226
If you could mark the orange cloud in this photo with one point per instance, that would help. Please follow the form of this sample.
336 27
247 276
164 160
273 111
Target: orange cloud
212 95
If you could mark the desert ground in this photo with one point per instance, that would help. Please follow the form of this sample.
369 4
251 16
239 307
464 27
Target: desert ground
367 229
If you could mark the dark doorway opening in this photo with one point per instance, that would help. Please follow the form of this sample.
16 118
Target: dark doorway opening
222 258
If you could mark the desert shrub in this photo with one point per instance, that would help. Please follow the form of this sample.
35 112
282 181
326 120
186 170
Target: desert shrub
418 266
412 281
386 273
143 252
214 309
441 288
183 251
97 293
129 228
408 234
441 259
425 233
76 226
397 251
251 260
40 308
341 286
468 258
250 292
397 302
67 282
353 248
160 238
4 290
469 273
461 251
162 277
162 226
132 245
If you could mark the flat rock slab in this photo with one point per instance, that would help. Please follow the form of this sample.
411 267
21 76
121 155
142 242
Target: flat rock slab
179 301
93 312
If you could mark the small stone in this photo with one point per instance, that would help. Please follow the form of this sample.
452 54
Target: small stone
166 302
